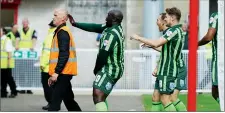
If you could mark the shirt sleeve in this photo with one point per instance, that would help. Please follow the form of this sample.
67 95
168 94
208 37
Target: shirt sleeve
170 34
9 47
64 45
17 35
91 27
213 21
108 42
34 35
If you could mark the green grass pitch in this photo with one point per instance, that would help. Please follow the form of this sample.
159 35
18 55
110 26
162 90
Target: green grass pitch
205 102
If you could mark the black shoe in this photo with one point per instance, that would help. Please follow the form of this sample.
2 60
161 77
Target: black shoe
29 92
22 91
45 107
12 96
3 96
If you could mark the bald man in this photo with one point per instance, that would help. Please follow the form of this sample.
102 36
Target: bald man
62 64
27 40
109 64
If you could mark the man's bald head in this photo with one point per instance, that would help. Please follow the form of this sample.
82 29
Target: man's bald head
25 23
114 17
60 16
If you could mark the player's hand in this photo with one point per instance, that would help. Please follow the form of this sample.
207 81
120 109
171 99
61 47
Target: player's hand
72 21
154 73
52 79
17 48
145 45
134 37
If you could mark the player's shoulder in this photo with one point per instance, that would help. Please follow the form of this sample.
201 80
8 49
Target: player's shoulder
214 14
170 30
213 17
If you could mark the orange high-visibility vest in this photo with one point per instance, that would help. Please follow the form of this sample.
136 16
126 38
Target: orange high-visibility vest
71 65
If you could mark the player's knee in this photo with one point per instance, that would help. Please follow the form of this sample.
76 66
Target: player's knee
165 99
156 97
98 96
173 96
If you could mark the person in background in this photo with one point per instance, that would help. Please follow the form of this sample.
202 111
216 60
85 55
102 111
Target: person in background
28 38
44 66
14 35
7 63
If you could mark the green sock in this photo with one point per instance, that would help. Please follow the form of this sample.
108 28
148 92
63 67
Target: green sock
179 105
170 107
106 104
156 106
218 100
101 106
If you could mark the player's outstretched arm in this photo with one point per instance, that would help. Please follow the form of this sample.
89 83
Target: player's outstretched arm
157 49
91 27
153 43
208 37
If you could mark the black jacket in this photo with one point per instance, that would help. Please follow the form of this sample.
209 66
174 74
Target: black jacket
64 46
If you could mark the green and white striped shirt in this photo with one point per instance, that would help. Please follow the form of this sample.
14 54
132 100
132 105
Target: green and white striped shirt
112 40
171 52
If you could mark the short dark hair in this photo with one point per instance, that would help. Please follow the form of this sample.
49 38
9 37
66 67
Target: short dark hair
174 12
163 16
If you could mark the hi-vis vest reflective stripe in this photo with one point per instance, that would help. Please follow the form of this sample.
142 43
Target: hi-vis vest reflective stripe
26 39
46 50
12 38
71 65
4 56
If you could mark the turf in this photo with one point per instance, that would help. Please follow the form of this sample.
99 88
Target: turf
205 102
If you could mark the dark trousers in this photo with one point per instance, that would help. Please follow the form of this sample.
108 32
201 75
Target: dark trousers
62 90
7 78
47 90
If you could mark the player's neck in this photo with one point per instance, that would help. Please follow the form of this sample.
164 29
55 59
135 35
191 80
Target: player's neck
165 28
175 23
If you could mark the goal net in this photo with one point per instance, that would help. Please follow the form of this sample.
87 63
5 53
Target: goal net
221 52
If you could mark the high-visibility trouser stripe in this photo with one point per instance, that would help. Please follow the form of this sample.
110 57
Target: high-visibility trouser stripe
69 60
47 49
57 49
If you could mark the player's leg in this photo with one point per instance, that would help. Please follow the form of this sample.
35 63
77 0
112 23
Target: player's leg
3 83
102 87
180 85
156 103
166 87
215 90
11 83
